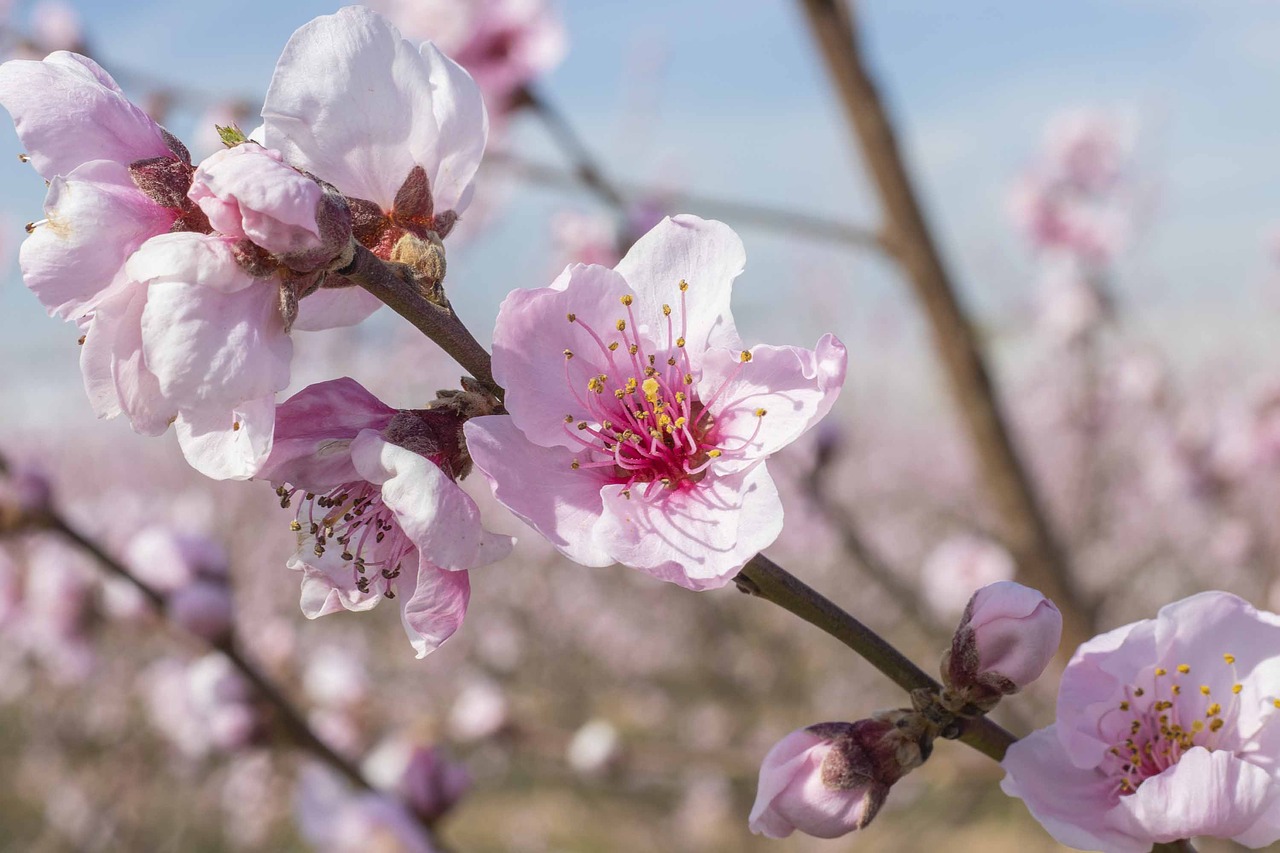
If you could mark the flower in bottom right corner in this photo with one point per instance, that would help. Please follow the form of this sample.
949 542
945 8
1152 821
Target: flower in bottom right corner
1167 729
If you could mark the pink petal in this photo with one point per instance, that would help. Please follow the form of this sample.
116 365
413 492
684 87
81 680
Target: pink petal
460 115
435 513
1093 684
68 111
1071 803
538 485
116 377
796 388
698 538
328 584
212 334
228 445
780 766
705 253
313 433
1205 793
248 191
529 340
434 607
354 103
97 218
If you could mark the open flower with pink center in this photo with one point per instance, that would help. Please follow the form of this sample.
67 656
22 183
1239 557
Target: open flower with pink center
638 432
379 514
1167 729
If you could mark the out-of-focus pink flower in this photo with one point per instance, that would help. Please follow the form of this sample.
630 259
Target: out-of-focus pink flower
204 609
202 706
1166 729
336 677
825 780
594 748
191 337
56 25
249 192
334 819
407 157
1087 149
379 515
190 571
638 434
51 618
422 777
1007 636
959 565
1070 302
503 44
582 238
480 711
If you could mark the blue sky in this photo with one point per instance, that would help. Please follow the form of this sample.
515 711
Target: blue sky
725 97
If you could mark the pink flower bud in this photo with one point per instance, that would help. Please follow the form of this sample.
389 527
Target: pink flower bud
432 784
1006 638
249 192
826 780
204 609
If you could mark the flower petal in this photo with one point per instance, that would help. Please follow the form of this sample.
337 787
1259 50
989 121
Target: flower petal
434 607
463 127
313 433
795 387
335 307
228 445
529 340
1069 802
698 538
96 218
435 513
703 252
1205 793
538 485
328 584
116 377
68 111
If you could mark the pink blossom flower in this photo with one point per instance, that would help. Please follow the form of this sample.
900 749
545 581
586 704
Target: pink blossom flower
190 571
825 780
56 25
959 565
503 44
379 514
638 433
1166 729
202 706
1007 636
405 158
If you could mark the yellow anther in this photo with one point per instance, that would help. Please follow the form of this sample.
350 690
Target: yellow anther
1229 658
1276 702
649 371
1183 668
574 465
595 383
1236 688
1177 689
631 385
1138 691
633 349
568 353
1217 724
572 316
626 493
619 393
681 421
613 346
626 300
714 454
1213 710
680 397
1124 706
295 526
671 362
568 419
650 387
582 424
760 413
666 310
1197 726
688 379
606 425
684 285
621 325
1204 689
744 356
1161 671
653 433
679 342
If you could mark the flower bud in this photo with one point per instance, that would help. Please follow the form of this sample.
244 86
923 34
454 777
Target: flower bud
830 779
1006 638
249 192
204 609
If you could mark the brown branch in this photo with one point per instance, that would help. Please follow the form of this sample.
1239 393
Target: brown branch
1026 527
584 163
739 213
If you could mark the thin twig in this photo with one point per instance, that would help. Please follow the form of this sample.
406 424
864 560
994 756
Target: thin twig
293 722
765 579
739 213
1027 528
584 163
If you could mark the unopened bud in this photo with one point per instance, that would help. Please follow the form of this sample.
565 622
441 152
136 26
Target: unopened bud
435 434
424 256
1008 635
832 778
204 609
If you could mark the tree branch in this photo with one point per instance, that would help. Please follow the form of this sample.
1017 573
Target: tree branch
1027 529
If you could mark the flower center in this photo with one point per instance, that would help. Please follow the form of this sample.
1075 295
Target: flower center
354 518
641 417
1168 720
